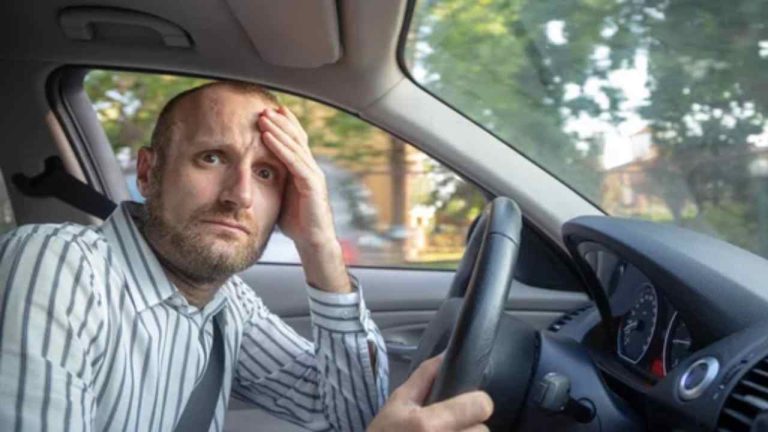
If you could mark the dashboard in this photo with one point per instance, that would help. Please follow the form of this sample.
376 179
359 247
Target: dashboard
677 327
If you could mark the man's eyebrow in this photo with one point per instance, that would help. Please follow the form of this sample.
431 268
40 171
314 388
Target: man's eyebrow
212 143
272 160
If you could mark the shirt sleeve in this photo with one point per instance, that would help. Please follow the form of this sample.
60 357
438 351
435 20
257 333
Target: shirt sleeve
48 327
330 384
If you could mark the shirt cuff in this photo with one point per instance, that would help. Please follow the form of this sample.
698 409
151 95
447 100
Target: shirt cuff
339 312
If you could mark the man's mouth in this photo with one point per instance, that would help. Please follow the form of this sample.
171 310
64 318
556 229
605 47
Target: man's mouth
228 224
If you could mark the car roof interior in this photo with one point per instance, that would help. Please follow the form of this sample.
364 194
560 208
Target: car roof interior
343 53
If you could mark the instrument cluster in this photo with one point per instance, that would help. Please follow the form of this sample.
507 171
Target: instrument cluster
651 335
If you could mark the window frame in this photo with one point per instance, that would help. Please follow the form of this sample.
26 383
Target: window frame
71 106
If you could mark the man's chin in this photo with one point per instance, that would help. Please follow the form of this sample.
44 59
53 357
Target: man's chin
236 253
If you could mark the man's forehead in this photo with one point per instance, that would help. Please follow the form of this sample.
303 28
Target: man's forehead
219 113
222 100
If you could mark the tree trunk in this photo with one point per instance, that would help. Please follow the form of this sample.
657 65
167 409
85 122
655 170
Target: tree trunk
397 168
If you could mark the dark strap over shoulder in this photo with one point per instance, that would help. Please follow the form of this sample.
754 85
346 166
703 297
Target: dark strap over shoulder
56 182
201 406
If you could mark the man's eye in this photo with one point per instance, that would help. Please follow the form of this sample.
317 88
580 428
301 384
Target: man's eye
211 158
265 173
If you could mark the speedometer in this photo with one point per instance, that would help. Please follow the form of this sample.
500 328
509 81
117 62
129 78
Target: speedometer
638 325
677 343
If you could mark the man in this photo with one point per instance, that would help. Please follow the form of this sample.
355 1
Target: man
114 327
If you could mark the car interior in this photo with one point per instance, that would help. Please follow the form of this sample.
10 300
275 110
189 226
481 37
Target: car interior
570 316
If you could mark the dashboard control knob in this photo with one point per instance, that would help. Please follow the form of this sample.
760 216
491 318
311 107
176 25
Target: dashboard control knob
697 378
553 394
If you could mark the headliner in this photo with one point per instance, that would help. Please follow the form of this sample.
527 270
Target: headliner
369 32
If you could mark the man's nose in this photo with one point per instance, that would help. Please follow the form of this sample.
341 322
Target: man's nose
238 190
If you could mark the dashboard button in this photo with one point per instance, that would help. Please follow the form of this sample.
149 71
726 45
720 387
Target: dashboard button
698 377
695 376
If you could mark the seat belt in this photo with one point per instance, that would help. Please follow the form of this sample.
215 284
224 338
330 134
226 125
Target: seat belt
56 182
201 406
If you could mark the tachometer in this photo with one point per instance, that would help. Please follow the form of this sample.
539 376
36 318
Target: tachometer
638 325
677 343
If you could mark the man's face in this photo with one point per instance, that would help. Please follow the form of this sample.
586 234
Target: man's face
213 202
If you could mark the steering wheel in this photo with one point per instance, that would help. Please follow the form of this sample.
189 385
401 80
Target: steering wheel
485 348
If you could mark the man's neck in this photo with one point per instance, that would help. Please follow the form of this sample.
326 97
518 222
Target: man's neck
198 293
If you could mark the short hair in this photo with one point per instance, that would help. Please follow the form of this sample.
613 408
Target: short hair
162 135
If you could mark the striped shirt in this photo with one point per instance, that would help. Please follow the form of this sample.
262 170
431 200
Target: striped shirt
93 336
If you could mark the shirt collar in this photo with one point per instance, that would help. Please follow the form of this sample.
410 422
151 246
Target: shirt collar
213 307
147 282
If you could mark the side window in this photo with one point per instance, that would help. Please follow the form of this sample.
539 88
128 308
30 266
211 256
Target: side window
7 221
393 205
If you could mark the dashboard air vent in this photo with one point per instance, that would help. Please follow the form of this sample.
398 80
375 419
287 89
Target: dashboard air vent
747 401
566 318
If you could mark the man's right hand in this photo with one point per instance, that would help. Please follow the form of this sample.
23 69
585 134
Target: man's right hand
404 412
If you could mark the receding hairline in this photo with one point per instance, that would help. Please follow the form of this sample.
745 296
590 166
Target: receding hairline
162 135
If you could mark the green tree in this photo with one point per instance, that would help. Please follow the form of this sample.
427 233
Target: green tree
535 72
127 103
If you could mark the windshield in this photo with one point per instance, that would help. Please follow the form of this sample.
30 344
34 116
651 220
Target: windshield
650 109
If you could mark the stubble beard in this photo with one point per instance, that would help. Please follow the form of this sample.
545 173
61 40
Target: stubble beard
188 250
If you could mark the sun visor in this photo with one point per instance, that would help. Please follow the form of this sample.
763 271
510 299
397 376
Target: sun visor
293 33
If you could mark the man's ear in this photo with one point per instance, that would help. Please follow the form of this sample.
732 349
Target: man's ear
146 163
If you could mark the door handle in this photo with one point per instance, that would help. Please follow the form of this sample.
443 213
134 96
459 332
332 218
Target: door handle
78 22
399 349
402 341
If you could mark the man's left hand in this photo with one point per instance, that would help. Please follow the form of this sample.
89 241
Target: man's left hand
306 213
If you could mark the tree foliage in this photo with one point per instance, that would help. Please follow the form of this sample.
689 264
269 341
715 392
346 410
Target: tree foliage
128 104
551 77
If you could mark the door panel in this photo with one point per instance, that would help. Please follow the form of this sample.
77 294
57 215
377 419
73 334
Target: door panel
283 290
401 302
402 331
